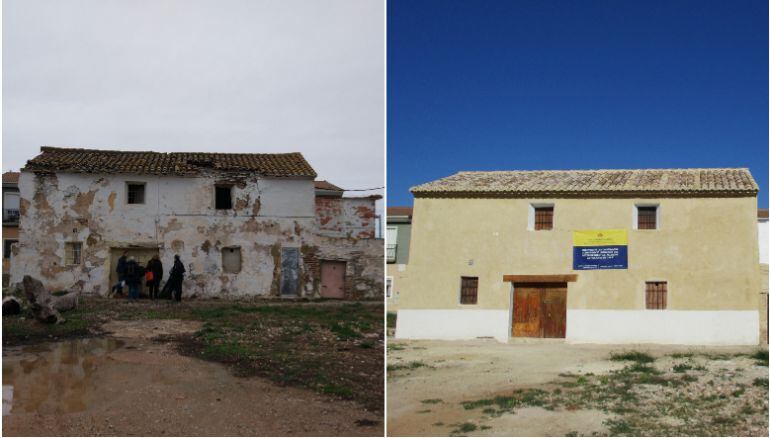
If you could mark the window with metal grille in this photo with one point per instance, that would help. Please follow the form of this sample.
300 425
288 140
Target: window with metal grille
656 294
135 193
223 197
543 218
469 290
647 218
72 252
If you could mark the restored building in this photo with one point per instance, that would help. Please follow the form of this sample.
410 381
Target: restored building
763 236
604 256
10 219
243 224
399 231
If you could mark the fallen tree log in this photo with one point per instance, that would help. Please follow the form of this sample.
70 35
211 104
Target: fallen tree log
40 301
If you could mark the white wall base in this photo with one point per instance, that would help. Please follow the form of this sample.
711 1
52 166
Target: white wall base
684 327
452 324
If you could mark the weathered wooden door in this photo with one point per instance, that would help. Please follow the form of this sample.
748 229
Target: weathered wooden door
554 311
539 310
526 312
332 279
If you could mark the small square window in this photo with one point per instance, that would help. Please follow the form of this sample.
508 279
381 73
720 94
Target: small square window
231 259
72 252
223 197
389 287
135 193
655 295
7 247
543 218
647 218
469 290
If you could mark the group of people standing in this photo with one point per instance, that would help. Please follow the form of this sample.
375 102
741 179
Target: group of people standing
131 274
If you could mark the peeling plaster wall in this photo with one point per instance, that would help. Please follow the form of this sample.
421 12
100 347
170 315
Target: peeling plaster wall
178 216
346 217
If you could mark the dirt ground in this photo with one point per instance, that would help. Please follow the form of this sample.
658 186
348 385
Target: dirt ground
544 388
197 368
131 385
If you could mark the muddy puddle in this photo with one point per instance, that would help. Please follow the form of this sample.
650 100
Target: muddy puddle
53 377
134 385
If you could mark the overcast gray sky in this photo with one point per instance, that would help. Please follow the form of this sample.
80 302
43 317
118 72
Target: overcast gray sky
225 76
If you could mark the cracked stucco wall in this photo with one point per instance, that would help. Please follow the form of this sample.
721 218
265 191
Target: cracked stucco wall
178 217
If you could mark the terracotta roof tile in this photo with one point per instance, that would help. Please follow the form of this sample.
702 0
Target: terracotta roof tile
520 183
399 211
11 177
326 185
166 163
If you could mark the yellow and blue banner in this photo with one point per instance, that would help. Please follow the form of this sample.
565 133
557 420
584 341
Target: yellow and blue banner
599 249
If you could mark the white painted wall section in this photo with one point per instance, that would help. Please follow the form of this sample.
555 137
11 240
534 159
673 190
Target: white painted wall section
452 324
762 234
680 327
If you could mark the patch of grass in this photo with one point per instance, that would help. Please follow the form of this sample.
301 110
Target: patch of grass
485 427
432 401
761 382
619 427
634 356
465 428
407 366
571 433
366 344
396 347
682 367
761 357
391 320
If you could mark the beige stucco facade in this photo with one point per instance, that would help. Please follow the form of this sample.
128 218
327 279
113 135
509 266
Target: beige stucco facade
704 248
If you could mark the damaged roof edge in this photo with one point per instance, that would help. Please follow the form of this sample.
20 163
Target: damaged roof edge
80 160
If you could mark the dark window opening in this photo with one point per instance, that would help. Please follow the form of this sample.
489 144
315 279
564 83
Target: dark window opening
135 193
469 290
7 248
656 295
224 197
543 218
647 218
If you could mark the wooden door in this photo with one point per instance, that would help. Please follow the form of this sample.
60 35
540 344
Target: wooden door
332 279
526 312
539 310
554 311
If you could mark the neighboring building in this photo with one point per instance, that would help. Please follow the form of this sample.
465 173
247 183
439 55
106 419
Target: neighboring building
603 256
762 234
243 224
10 219
399 230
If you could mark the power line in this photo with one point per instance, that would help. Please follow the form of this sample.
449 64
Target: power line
363 190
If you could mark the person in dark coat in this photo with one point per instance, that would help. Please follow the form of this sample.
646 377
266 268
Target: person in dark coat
175 278
134 275
156 267
121 270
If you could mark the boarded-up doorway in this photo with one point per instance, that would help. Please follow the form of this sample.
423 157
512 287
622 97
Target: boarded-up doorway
142 256
539 310
332 279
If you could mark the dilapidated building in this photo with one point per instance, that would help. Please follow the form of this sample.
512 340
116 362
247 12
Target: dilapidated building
243 224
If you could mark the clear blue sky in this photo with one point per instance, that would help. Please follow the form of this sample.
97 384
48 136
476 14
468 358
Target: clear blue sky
542 84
